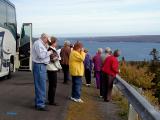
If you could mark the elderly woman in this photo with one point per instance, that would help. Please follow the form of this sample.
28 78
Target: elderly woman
97 66
76 68
52 69
65 53
88 68
110 70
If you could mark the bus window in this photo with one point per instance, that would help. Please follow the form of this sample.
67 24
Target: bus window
3 12
11 20
11 17
1 37
25 35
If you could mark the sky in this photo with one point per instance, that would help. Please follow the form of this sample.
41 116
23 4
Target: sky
90 17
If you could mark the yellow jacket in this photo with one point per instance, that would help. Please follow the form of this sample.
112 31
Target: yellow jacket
76 65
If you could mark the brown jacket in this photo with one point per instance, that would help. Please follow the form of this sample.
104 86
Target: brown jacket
65 53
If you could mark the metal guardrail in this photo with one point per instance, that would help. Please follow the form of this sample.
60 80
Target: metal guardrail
145 110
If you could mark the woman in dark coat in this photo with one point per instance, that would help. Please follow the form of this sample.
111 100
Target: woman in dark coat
88 68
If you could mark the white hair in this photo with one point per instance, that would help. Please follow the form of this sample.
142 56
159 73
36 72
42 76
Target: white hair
108 50
67 42
100 50
44 35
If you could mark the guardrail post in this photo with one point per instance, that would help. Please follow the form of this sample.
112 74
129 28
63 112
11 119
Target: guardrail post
132 115
115 90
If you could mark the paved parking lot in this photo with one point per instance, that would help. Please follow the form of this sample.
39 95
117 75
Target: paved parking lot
17 99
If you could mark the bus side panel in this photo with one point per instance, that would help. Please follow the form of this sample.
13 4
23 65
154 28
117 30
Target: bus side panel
9 49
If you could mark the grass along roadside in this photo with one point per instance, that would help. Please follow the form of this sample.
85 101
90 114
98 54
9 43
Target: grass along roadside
93 107
87 110
122 102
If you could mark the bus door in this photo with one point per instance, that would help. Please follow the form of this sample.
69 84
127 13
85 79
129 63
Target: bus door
25 47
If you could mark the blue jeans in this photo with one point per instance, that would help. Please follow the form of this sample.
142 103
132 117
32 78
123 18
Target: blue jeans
76 86
40 74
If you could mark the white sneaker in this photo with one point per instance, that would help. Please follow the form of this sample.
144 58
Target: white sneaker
88 85
73 99
80 101
101 96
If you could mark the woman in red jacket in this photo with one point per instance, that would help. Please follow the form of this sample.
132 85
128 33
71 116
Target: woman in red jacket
110 70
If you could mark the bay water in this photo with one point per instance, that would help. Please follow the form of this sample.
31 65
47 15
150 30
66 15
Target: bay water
131 51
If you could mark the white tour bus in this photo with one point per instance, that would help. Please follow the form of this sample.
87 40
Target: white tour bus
14 52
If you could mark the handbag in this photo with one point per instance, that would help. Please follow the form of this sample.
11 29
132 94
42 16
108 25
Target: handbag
54 64
57 65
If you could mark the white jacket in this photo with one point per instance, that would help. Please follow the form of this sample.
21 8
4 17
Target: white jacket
54 66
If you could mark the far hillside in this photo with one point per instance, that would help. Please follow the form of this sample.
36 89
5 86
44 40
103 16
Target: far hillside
138 38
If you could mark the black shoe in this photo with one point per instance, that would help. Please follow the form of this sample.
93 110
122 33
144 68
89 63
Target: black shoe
42 109
65 83
106 100
35 106
54 104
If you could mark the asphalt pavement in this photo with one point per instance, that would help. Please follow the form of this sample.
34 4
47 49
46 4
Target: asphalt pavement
17 99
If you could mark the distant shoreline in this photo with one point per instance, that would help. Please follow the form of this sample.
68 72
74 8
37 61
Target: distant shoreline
136 38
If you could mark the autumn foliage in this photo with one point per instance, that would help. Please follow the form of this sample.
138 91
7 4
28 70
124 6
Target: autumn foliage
141 78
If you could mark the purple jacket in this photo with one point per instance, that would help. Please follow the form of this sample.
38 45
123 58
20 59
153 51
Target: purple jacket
97 62
88 62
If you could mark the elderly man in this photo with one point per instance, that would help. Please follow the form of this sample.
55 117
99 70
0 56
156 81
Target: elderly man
40 58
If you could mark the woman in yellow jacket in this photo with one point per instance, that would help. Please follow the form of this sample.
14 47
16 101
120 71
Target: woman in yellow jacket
76 68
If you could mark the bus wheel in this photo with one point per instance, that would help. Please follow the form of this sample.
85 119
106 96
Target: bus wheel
11 69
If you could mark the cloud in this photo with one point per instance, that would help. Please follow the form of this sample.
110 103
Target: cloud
90 16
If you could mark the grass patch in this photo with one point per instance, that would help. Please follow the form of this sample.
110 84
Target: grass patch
122 102
87 110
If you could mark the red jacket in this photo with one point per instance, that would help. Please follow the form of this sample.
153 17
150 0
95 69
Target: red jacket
111 66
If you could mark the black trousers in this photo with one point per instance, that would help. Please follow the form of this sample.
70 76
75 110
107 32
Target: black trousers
88 76
102 86
52 77
108 82
66 72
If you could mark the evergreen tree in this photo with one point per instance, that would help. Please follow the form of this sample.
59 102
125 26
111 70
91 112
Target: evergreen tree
155 60
155 68
155 54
